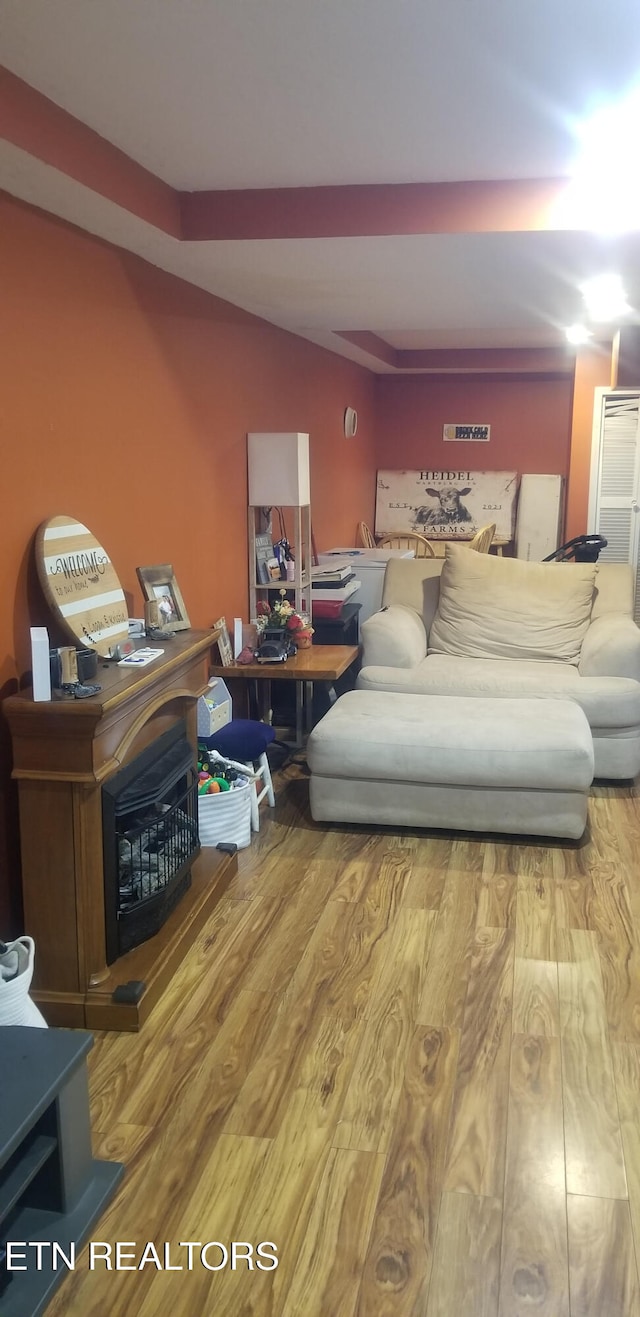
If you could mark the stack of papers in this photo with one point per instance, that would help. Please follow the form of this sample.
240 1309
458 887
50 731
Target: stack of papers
332 572
140 658
342 590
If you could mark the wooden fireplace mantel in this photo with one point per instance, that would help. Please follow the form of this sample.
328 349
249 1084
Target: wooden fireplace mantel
64 750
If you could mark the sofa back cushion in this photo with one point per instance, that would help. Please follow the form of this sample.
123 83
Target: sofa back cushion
614 592
414 582
509 609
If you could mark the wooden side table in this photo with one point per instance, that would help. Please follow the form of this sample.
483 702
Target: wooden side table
319 663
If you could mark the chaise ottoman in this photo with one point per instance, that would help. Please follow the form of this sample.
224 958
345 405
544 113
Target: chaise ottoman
455 762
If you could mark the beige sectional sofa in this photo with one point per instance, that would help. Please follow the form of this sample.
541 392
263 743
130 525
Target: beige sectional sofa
511 632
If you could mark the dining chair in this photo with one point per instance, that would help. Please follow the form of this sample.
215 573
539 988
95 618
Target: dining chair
366 536
407 540
483 539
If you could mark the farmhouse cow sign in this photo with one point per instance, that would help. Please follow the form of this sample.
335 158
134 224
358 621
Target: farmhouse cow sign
446 504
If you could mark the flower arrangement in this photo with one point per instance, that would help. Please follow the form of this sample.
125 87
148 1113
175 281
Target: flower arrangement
280 615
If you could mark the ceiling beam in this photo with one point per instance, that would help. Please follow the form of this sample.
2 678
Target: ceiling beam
36 125
372 343
502 361
371 210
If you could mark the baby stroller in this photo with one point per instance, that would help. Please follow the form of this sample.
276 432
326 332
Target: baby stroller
582 548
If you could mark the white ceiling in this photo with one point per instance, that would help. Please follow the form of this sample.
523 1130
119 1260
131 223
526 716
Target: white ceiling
218 94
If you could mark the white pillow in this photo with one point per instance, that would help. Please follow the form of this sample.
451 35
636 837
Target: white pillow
505 608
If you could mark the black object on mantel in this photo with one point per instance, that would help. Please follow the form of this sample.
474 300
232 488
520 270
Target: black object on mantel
52 1189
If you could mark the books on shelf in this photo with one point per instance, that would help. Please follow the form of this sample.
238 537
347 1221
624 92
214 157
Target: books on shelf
326 573
320 584
264 558
338 593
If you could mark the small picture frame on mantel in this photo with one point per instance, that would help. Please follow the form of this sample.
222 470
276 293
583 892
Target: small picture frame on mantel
159 586
223 640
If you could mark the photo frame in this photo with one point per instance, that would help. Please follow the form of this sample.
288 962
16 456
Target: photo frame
223 641
159 586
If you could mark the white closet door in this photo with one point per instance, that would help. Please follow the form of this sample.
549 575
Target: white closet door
614 502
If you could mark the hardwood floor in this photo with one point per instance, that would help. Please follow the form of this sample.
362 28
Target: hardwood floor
410 1061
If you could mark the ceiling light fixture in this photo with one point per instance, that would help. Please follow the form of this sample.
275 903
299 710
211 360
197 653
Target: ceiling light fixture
605 298
577 334
604 194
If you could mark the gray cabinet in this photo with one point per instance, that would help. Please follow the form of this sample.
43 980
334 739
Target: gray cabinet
52 1189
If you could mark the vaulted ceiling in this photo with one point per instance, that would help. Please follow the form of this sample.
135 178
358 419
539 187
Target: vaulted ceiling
379 176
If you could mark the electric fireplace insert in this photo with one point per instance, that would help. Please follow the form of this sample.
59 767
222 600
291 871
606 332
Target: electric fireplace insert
150 839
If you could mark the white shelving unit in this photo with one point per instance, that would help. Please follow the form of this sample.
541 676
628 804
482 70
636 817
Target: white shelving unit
278 471
298 521
298 524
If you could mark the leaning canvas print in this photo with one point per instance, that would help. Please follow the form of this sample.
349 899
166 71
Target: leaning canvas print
446 504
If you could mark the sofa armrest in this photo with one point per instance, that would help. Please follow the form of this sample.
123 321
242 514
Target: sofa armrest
393 638
611 648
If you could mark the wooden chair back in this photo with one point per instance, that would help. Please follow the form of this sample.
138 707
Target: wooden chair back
407 540
483 539
366 536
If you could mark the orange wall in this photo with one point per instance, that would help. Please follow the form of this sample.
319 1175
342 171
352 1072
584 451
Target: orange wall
126 399
530 421
593 370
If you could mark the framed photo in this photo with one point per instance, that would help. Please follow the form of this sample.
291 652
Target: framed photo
159 586
225 648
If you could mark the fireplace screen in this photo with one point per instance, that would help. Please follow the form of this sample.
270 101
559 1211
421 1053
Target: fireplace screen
150 830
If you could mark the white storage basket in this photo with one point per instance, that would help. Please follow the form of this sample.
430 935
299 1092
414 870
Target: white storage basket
226 816
16 1006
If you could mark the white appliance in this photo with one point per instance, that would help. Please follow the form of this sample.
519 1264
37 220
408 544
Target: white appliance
370 566
539 524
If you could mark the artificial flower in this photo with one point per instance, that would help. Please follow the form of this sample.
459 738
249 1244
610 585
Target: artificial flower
280 614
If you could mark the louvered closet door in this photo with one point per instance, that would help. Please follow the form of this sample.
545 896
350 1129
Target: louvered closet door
614 502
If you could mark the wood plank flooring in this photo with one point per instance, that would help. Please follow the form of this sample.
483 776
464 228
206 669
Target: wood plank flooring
409 1061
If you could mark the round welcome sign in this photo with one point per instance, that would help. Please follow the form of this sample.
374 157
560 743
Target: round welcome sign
80 584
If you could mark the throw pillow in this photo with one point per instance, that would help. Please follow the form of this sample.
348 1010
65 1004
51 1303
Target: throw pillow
506 608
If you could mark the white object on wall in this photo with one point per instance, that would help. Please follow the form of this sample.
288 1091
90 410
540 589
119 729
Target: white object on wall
466 434
278 470
539 524
350 422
